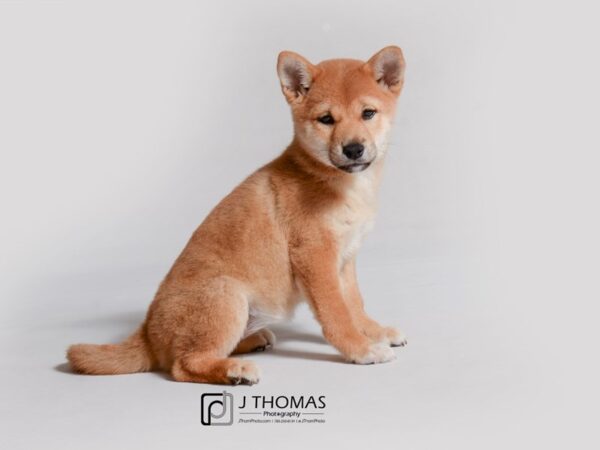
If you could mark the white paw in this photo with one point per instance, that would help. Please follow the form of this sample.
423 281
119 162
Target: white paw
395 337
243 372
269 337
378 353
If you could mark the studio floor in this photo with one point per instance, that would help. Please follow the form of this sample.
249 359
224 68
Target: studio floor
462 382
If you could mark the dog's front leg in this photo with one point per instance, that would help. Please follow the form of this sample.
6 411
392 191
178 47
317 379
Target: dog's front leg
373 330
318 270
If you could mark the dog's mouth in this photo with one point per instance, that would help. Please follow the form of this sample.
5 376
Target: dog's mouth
355 167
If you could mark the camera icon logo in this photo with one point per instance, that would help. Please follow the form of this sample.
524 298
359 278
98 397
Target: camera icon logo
216 408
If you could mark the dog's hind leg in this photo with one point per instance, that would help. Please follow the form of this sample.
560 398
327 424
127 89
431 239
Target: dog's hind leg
213 327
257 342
202 367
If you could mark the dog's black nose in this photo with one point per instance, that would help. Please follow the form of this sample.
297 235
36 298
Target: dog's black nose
353 150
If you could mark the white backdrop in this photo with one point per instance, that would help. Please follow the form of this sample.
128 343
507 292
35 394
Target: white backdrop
123 123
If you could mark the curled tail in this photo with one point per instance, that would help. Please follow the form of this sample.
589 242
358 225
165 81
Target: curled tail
130 356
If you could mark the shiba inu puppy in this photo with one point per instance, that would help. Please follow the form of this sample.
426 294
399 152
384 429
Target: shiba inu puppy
288 233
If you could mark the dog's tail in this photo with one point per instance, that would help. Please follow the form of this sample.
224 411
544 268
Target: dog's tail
130 356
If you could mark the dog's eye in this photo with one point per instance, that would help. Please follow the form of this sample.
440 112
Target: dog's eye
327 119
368 114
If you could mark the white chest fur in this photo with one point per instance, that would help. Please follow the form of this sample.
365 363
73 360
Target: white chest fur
351 221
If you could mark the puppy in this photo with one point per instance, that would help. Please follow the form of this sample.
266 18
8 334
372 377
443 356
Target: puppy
289 232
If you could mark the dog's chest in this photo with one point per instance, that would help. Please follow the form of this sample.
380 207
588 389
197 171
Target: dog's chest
354 217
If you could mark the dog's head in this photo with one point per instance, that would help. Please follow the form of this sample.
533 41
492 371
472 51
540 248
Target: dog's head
343 108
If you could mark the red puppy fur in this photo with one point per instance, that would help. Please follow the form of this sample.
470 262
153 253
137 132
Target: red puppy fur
289 232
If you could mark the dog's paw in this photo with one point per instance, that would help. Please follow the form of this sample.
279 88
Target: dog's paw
243 372
263 340
377 353
395 337
268 338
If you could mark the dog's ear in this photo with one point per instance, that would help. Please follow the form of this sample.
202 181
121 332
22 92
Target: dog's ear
295 74
387 67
